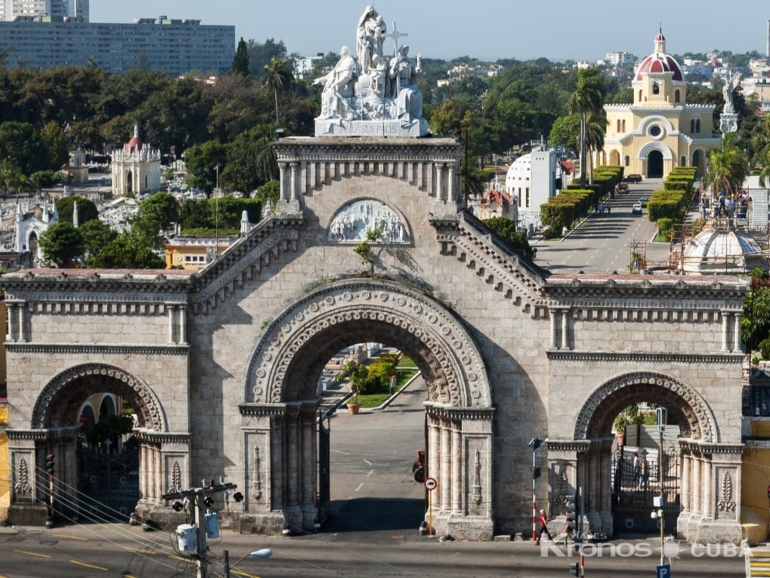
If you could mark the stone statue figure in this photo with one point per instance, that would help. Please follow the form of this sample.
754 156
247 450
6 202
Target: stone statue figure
338 87
369 38
403 76
727 91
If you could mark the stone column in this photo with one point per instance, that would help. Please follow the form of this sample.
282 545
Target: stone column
451 183
737 344
143 468
564 329
158 474
444 482
293 192
685 483
440 196
707 507
308 464
695 486
725 331
434 449
11 312
20 313
282 170
457 459
171 322
292 477
276 471
183 324
553 313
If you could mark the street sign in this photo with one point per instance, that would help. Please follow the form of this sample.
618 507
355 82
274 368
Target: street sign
664 571
430 484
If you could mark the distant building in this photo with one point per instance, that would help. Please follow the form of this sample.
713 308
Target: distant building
11 9
135 168
195 252
760 87
304 64
171 46
76 171
659 130
531 181
618 58
30 222
495 204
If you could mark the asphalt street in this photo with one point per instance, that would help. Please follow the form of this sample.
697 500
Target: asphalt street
602 243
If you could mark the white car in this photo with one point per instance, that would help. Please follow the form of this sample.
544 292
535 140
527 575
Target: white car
637 208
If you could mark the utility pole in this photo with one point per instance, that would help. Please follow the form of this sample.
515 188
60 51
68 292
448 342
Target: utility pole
202 499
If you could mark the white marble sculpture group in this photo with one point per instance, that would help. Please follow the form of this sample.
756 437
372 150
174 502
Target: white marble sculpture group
373 94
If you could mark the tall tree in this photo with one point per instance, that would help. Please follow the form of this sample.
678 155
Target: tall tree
204 163
62 243
588 98
241 59
56 142
727 167
87 210
278 75
261 53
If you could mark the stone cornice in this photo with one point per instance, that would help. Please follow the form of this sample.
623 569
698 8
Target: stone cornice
78 285
41 434
460 413
155 437
96 348
652 292
274 235
357 149
567 446
663 357
712 449
466 238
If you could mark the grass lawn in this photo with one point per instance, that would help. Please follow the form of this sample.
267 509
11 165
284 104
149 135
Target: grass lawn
406 363
377 399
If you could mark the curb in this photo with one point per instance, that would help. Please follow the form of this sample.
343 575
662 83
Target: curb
388 401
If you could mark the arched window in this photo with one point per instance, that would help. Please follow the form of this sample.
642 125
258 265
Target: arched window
618 126
624 125
697 126
692 125
627 161
676 95
640 96
655 88
683 162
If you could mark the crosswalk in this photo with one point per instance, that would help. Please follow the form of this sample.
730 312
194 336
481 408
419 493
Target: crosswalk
758 562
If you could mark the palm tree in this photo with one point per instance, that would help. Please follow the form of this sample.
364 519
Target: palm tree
588 98
278 75
727 167
596 128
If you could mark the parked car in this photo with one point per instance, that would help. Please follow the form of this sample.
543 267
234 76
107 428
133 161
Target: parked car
643 201
622 188
633 178
637 208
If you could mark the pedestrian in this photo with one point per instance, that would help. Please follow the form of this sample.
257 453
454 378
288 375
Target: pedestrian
637 469
608 209
543 527
644 472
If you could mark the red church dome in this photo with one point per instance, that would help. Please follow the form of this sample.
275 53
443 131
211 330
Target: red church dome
135 144
659 62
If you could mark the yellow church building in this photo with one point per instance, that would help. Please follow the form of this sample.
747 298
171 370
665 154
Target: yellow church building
659 131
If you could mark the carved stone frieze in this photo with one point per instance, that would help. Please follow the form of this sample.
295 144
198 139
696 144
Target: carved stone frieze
93 375
701 422
453 358
611 356
100 349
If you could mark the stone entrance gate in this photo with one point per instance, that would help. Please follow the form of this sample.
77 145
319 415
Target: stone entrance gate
225 361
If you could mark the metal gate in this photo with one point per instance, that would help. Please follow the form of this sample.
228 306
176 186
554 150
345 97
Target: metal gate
324 469
635 486
108 482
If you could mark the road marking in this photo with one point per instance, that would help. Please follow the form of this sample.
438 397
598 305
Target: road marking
32 553
359 486
183 559
140 550
369 475
368 463
339 452
71 537
88 565
239 573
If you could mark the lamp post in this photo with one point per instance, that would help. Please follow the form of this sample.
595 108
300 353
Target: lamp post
534 443
264 553
661 418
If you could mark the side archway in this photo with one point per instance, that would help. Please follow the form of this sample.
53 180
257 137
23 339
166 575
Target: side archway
60 400
685 405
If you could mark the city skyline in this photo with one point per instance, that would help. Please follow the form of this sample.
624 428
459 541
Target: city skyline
556 30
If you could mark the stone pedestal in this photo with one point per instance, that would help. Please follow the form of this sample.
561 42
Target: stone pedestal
379 128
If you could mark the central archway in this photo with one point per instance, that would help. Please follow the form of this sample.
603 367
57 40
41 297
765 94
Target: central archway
288 360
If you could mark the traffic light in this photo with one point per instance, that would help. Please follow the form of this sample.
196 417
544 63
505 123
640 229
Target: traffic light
574 569
49 465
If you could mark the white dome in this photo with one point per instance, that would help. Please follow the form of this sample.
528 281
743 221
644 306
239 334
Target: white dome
520 170
715 251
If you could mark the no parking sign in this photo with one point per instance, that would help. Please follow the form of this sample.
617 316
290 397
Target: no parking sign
430 484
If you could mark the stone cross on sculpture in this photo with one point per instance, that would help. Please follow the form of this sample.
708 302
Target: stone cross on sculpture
395 35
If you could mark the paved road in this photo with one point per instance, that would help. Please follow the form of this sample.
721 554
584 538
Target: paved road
371 470
602 243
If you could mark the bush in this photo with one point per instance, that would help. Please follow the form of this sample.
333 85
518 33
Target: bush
558 212
665 227
764 348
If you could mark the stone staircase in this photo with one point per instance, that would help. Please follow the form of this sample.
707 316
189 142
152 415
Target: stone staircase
758 561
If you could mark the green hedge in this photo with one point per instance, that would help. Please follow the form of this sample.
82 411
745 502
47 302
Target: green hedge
557 214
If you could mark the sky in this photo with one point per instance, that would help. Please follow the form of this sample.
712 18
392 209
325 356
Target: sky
484 29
